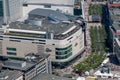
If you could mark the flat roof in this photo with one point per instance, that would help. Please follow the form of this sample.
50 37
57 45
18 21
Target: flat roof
9 75
47 26
38 22
38 58
46 76
46 21
26 67
115 17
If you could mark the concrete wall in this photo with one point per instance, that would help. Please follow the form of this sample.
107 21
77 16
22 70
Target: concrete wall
22 48
25 46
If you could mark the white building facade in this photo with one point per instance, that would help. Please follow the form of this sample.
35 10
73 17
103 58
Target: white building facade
12 10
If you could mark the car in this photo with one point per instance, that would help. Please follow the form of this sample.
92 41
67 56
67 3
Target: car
79 72
117 75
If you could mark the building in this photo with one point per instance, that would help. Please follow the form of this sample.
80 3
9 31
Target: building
98 0
10 75
77 7
1 13
64 6
12 10
46 76
113 1
114 27
114 18
1 8
45 31
117 48
30 67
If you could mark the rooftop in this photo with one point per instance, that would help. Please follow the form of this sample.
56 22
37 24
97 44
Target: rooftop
114 1
36 58
10 64
39 21
44 20
57 28
46 76
9 75
115 17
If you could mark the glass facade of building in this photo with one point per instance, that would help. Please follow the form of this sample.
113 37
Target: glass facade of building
11 51
63 53
1 8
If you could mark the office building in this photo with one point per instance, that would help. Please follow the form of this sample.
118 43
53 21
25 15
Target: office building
30 67
45 31
12 10
114 28
1 8
113 1
10 75
64 6
117 48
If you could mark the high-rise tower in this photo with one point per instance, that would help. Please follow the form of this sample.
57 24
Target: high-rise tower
1 8
12 10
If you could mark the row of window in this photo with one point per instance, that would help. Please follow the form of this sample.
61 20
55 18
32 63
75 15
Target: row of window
64 57
63 53
11 51
23 34
27 39
63 48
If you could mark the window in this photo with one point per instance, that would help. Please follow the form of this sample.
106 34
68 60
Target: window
25 5
11 53
11 49
63 53
47 6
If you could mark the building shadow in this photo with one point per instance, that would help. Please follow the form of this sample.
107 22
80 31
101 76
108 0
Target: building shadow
113 59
